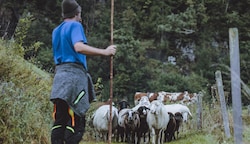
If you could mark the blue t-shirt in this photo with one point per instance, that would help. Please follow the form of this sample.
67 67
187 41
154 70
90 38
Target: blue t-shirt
64 37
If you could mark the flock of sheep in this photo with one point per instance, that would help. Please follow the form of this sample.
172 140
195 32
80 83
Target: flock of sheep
149 121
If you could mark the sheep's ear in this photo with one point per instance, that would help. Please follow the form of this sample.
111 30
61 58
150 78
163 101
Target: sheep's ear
105 114
116 112
190 114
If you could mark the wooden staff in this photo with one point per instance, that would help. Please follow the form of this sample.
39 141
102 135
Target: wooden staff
111 72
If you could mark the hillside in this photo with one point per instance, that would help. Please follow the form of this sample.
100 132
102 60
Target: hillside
25 107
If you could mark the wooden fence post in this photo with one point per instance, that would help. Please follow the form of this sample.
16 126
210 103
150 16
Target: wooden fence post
248 110
235 84
222 103
199 112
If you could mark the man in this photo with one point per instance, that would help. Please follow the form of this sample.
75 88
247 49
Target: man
72 89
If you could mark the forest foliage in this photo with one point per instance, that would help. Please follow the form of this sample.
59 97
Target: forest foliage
147 33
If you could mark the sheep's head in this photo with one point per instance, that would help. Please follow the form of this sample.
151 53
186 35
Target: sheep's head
155 107
143 110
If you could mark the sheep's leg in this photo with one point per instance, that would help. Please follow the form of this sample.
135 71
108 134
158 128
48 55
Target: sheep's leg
177 134
133 137
161 135
118 134
158 137
139 137
153 135
143 137
171 136
97 136
105 136
128 135
166 136
174 135
149 137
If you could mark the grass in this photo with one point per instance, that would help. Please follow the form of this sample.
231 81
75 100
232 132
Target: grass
191 138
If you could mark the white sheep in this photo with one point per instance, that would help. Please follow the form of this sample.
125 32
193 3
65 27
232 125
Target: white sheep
157 119
184 110
101 118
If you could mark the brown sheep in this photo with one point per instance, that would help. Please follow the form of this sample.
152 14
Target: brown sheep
171 127
179 119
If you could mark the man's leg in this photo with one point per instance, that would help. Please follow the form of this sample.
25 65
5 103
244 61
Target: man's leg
61 117
74 129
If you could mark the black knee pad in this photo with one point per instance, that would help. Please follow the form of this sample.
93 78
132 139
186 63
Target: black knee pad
74 135
73 139
57 141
